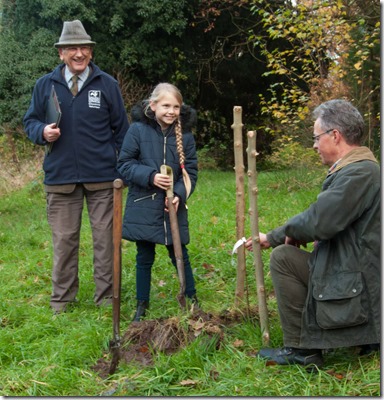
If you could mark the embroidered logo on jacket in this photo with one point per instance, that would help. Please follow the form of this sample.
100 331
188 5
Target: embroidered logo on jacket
94 99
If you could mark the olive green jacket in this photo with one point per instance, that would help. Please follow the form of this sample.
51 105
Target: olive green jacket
343 303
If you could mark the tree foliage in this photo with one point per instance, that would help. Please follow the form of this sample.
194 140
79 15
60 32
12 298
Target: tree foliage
332 52
275 58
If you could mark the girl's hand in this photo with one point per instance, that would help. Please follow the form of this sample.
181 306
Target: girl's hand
162 181
175 202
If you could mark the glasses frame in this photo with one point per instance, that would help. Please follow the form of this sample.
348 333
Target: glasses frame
85 49
316 138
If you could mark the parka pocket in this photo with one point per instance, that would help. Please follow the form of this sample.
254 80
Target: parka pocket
149 196
340 301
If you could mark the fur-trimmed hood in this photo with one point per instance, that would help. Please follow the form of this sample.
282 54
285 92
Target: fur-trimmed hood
188 116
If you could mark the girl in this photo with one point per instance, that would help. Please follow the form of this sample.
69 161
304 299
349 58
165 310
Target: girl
160 133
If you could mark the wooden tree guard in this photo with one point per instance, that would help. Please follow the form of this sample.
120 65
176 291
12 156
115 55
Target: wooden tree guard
254 220
240 201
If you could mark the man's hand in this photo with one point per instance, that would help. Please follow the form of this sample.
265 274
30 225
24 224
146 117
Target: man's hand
264 244
294 242
51 133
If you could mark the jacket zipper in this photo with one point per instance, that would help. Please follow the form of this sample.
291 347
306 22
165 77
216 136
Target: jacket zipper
165 224
146 197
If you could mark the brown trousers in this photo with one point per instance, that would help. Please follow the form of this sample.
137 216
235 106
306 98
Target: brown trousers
290 274
64 211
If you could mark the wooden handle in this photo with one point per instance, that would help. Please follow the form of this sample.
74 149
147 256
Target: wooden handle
118 187
167 170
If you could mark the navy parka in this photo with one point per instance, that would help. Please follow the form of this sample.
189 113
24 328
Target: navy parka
145 149
93 125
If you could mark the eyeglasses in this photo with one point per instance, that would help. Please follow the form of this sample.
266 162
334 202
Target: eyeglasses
316 138
74 50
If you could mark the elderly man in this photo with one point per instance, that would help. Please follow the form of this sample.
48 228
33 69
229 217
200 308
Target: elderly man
80 161
330 297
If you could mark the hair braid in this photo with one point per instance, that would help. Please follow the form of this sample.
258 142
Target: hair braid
179 143
180 150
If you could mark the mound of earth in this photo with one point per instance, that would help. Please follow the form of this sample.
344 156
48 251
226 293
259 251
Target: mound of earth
145 338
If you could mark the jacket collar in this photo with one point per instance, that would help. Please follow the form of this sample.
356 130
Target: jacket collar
358 154
188 116
58 72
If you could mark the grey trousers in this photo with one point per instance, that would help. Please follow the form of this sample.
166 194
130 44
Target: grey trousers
290 274
64 212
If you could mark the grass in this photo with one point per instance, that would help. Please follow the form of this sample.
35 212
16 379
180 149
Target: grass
46 355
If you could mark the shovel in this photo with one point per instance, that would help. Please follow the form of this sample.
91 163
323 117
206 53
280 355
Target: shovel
167 170
114 344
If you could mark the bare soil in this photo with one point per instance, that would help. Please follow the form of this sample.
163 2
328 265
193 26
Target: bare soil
144 339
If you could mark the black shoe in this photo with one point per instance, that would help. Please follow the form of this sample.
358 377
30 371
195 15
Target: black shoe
195 302
369 348
291 355
142 306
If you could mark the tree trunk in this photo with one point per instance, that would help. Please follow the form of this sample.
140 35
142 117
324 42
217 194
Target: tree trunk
240 201
254 220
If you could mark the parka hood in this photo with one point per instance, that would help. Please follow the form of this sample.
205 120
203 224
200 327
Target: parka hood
188 116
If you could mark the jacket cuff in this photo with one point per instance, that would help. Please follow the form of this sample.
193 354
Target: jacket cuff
276 236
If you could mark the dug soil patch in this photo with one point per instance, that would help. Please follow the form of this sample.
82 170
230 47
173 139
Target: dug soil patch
144 339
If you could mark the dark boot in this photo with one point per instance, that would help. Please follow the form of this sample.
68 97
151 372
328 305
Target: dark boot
195 302
290 355
369 348
142 306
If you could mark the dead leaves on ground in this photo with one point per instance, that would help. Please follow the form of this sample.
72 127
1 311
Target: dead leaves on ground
144 339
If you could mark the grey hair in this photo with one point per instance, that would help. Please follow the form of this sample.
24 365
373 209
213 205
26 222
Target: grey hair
341 115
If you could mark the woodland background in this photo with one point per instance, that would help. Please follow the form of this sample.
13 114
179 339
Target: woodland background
276 59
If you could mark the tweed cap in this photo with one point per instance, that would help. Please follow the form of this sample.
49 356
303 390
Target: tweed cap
73 33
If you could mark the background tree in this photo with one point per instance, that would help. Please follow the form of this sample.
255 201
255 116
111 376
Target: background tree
276 59
333 52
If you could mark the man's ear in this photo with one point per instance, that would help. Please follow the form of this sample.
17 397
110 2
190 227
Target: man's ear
337 136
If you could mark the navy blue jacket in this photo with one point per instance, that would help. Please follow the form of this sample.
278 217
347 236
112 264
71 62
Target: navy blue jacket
93 126
145 149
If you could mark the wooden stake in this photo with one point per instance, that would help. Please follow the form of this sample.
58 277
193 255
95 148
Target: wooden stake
240 201
254 220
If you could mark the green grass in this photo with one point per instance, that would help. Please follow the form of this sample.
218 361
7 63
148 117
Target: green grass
46 355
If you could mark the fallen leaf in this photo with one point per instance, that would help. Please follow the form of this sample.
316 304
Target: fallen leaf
238 343
199 325
143 349
208 267
214 374
337 375
188 382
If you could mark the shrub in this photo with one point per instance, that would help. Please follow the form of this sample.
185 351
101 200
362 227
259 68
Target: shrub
287 152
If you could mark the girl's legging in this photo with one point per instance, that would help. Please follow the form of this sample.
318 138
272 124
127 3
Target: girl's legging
145 257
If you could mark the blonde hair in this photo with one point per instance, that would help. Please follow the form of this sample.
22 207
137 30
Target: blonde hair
157 93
